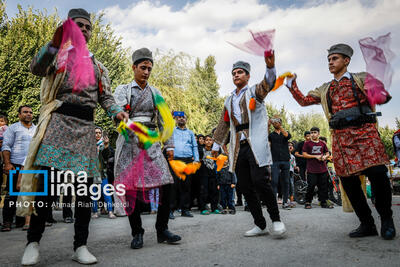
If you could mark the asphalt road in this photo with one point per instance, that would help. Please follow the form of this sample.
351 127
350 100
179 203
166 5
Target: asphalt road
316 237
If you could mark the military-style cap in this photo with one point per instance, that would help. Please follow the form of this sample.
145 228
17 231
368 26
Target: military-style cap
343 49
142 53
241 65
79 13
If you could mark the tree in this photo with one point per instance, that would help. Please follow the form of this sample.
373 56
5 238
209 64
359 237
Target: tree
24 35
386 135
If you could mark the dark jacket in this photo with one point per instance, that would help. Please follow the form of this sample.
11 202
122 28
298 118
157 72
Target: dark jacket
226 177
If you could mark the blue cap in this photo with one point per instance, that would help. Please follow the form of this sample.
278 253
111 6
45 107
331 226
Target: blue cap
179 114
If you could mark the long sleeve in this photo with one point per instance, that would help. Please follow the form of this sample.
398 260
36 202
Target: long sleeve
42 62
301 99
264 87
106 99
222 131
195 148
234 178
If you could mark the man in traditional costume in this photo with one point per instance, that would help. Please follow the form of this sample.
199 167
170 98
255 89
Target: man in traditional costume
245 118
65 139
356 145
138 99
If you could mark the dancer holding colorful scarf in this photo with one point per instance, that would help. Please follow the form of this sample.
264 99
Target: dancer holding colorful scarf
356 145
245 117
74 83
142 166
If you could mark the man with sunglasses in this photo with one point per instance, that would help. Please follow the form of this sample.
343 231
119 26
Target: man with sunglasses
245 117
65 137
356 145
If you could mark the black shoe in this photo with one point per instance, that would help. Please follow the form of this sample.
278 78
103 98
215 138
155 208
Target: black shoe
246 208
232 212
137 241
364 230
388 231
171 215
167 236
186 213
68 220
239 203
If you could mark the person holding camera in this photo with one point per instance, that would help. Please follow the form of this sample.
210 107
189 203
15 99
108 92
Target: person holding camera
356 145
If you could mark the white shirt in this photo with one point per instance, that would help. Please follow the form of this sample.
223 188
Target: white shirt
270 75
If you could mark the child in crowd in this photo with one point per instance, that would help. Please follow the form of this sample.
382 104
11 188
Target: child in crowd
208 180
3 125
226 184
293 167
316 152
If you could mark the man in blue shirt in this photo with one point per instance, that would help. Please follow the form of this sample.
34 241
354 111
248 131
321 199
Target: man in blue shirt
185 150
15 149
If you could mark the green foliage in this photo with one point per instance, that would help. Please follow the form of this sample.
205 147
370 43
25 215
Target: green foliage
386 135
397 123
24 35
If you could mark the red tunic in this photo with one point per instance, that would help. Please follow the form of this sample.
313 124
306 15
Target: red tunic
354 149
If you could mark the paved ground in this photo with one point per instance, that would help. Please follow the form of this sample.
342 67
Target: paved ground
316 237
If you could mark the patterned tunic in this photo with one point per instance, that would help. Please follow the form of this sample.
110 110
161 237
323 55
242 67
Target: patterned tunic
142 109
354 149
69 143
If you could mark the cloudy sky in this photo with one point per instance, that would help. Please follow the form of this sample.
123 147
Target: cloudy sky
304 30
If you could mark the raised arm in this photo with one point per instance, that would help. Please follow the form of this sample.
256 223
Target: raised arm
42 62
312 97
265 86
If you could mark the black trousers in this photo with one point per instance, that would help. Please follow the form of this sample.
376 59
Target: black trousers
254 180
383 195
302 172
208 188
162 214
183 188
10 207
43 205
321 181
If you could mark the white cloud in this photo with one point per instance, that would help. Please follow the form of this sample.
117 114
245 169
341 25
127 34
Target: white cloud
302 37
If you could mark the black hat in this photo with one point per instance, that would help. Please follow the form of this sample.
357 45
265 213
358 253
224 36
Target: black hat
241 65
79 13
142 53
343 49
